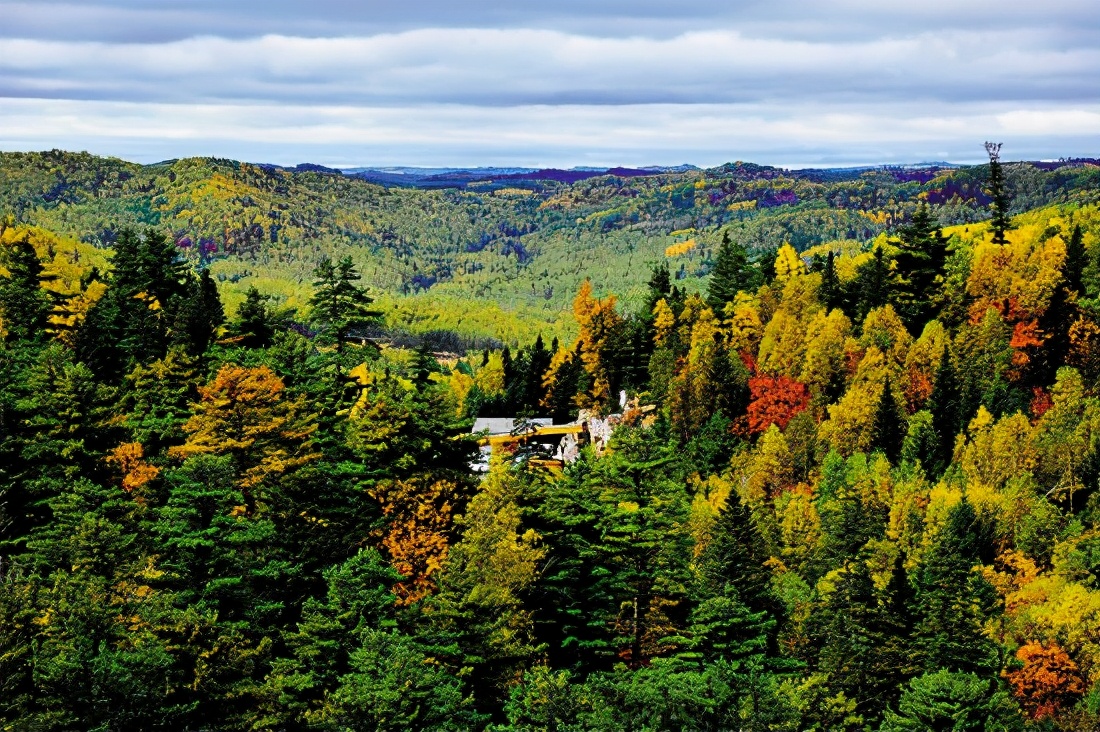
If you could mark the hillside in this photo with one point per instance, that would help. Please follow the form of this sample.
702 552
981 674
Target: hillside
499 256
853 488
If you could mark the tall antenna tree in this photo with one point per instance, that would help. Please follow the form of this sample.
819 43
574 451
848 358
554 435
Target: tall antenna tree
999 204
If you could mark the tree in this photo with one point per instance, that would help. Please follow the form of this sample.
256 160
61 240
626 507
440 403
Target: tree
24 304
920 264
243 413
831 292
961 702
1048 682
774 400
954 600
732 273
339 305
254 325
200 315
889 429
999 202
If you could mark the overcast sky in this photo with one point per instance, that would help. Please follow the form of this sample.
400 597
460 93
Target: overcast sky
557 82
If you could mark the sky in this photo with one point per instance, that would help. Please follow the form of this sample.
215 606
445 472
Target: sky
821 83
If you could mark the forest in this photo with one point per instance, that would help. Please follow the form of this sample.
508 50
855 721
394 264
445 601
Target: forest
854 486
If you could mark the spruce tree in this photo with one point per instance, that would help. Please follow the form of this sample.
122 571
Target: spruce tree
1077 260
831 292
732 274
944 404
954 600
200 315
999 201
254 325
920 263
339 305
889 428
24 305
734 559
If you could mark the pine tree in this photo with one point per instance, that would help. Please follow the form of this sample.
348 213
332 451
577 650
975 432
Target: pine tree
732 274
999 201
254 324
889 428
831 291
954 600
735 557
920 266
339 305
24 304
200 315
1077 260
870 288
944 405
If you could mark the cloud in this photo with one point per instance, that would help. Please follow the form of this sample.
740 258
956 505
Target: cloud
794 81
530 66
709 134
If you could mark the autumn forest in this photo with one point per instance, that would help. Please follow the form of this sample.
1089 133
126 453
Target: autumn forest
852 482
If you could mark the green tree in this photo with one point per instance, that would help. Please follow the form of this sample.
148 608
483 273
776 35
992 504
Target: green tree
920 264
255 322
24 304
732 273
953 701
954 600
339 305
999 201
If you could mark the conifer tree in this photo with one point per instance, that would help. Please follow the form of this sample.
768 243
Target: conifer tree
1077 260
954 600
944 406
339 305
889 428
255 322
999 202
24 304
831 292
732 274
920 266
200 315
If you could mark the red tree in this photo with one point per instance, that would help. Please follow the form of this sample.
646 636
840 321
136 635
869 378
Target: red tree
775 400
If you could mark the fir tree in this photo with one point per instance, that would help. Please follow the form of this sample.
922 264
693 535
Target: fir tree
732 274
831 292
944 406
24 304
339 305
1077 261
999 202
954 600
889 428
920 267
254 324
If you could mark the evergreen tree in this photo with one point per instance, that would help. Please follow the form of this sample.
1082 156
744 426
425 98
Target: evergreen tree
954 600
944 406
920 268
735 557
1077 261
24 304
732 274
999 202
254 324
339 305
870 288
889 427
200 315
831 292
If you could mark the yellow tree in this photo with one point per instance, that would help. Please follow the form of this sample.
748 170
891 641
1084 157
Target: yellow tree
245 413
600 328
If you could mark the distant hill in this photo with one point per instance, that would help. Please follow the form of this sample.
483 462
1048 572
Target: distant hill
492 251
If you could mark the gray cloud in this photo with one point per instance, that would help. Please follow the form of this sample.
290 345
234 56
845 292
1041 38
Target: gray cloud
621 79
